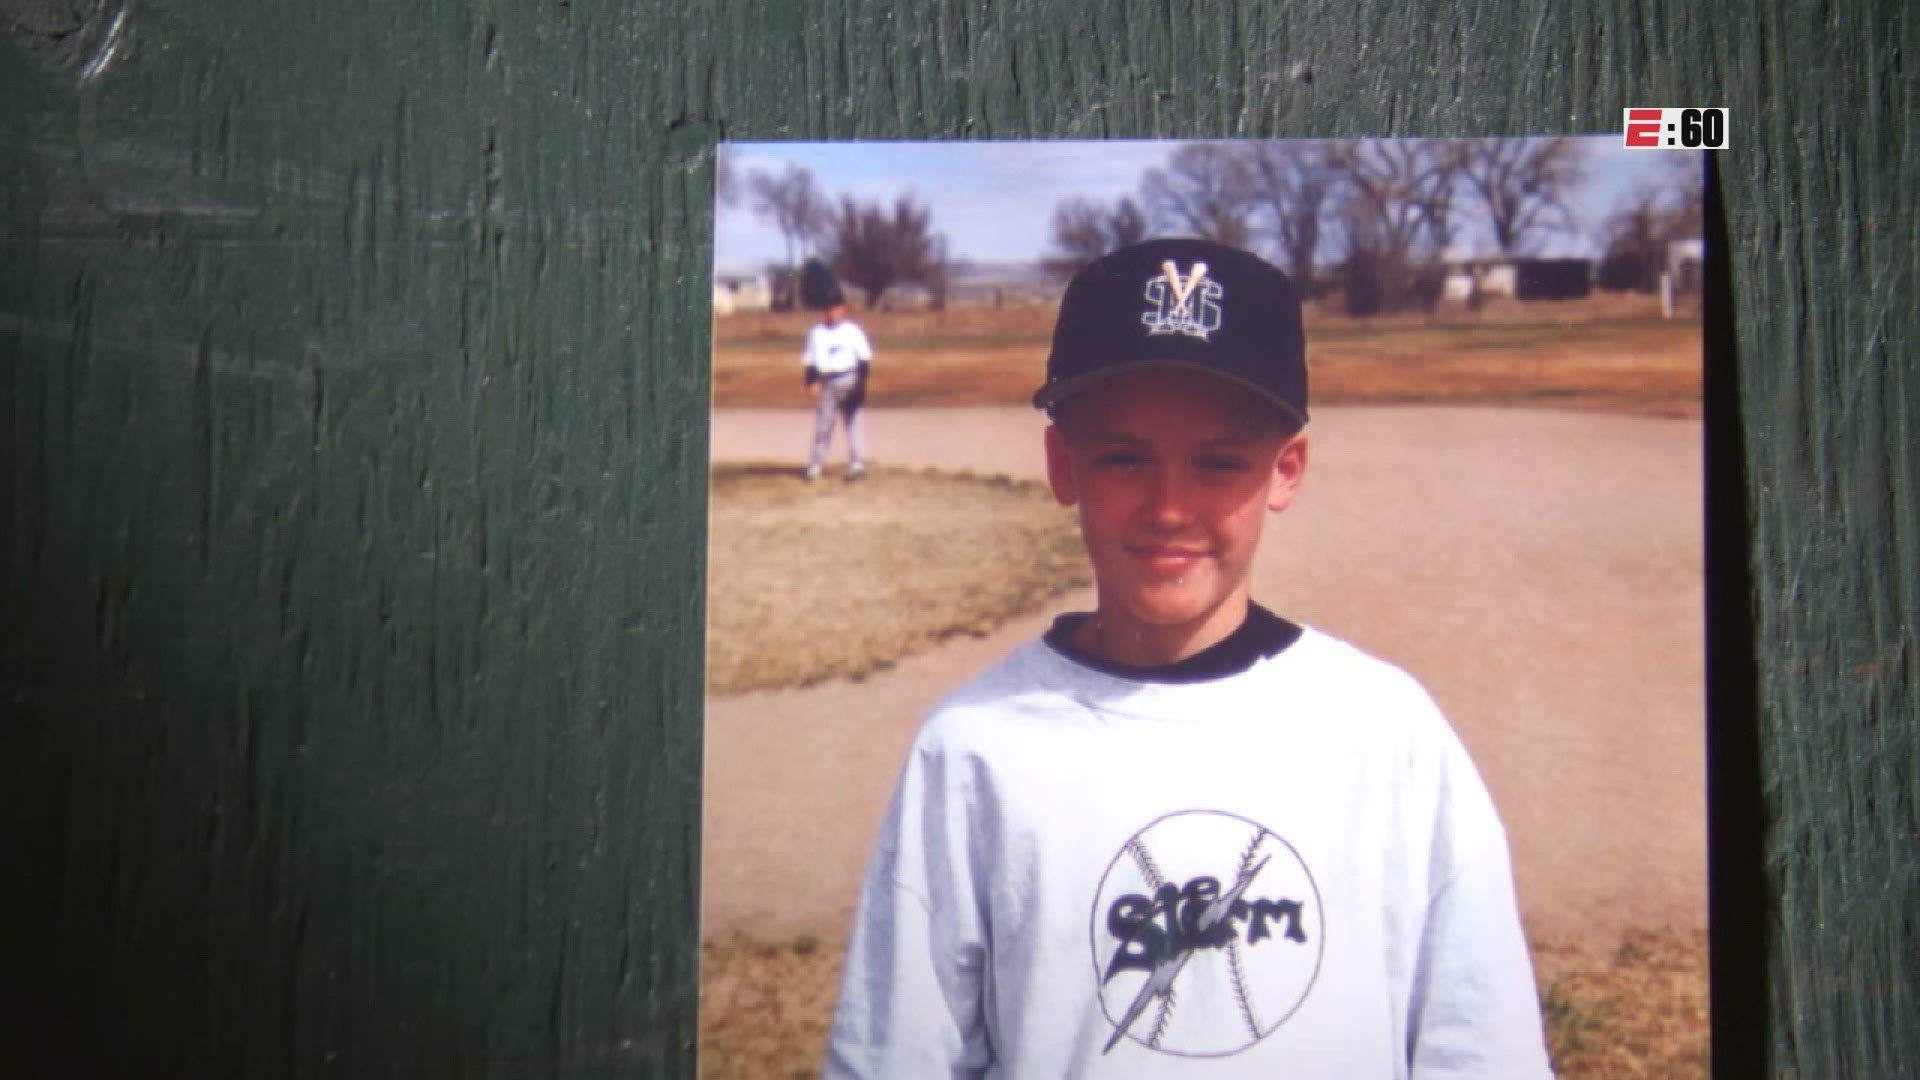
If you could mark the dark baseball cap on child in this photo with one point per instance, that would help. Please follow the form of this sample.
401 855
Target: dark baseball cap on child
1182 303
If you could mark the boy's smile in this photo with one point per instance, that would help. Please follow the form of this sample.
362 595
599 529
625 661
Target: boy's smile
1173 472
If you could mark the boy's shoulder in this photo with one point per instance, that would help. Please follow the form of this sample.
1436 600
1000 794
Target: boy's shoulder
1342 664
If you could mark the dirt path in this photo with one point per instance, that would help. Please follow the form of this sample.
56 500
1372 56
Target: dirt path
1538 570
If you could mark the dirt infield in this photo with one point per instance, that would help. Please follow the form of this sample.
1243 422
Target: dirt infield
1538 570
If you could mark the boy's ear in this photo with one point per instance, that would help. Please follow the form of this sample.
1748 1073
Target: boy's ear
1060 467
1288 472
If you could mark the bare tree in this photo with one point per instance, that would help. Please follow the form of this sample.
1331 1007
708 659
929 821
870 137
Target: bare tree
1127 225
1084 230
1404 188
939 273
1203 191
1522 184
1684 177
1635 238
875 249
796 207
1397 212
1294 182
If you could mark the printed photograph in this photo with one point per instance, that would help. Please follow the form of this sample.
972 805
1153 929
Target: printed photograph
1219 605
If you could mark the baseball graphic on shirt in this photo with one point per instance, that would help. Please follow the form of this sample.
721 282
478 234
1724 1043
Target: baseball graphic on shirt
1206 935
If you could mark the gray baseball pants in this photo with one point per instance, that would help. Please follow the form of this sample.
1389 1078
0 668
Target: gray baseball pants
834 391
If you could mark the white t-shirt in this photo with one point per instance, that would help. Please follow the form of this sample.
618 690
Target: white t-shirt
833 350
1290 871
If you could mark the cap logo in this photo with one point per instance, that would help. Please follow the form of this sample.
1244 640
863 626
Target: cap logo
1182 305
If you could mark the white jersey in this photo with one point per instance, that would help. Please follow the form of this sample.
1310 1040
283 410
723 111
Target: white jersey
834 350
1290 871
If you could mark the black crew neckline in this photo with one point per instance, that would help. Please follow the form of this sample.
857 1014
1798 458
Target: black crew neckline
1261 635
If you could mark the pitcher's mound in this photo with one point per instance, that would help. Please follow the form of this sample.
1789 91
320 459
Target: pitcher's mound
812 581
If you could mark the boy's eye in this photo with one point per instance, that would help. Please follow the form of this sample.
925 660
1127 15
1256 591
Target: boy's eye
1120 459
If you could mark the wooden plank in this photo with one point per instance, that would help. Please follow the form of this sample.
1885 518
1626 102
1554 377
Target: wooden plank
353 713
354 444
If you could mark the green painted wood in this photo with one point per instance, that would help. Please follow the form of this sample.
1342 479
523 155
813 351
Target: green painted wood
352 524
352 571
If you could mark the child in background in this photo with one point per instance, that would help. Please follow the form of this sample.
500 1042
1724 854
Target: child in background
837 357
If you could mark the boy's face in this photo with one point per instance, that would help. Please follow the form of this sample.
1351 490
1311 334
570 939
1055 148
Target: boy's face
1174 473
835 313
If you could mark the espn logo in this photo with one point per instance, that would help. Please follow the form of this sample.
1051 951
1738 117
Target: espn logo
1675 129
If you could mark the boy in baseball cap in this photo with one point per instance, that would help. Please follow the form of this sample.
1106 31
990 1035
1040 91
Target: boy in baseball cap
1180 835
836 359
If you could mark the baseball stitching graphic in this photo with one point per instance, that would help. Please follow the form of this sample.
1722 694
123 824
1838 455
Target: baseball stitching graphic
1206 935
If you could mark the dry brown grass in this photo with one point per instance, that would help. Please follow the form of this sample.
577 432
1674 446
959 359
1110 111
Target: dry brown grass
764 1008
1638 1013
1628 366
815 581
1609 351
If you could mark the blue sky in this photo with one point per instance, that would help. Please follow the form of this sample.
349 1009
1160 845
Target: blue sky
995 200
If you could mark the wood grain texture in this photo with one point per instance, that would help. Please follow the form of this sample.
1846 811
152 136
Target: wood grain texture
354 451
356 479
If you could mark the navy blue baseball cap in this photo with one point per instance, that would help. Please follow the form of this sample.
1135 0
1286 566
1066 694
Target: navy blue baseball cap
1181 303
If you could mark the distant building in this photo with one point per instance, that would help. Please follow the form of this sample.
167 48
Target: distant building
998 283
906 296
1520 277
740 292
1468 278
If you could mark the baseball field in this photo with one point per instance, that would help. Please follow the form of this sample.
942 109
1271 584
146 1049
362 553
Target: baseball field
1505 502
1610 351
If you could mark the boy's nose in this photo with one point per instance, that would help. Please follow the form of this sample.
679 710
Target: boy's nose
1167 499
